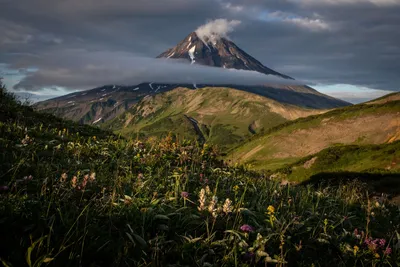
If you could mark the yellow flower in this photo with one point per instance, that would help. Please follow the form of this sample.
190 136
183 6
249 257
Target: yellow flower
236 188
271 209
356 249
377 255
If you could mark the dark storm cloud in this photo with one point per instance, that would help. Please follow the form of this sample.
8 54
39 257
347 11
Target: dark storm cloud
324 41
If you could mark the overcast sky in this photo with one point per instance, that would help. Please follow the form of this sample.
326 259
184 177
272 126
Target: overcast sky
346 48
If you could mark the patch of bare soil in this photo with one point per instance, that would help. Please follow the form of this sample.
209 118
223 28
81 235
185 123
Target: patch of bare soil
309 163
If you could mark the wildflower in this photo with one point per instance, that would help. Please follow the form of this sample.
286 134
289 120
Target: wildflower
382 242
236 188
246 228
376 255
243 244
74 181
26 140
372 244
271 210
227 208
4 188
64 177
202 199
85 180
92 176
356 234
208 191
355 249
28 178
185 195
387 251
212 205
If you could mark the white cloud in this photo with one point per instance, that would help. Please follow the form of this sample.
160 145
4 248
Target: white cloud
233 8
78 69
313 24
216 29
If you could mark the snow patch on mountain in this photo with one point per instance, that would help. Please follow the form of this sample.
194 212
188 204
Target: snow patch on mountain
96 121
191 54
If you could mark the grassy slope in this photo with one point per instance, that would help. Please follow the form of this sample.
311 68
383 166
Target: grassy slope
133 212
351 160
224 115
360 124
384 99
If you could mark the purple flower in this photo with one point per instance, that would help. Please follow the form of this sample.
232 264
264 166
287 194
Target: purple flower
248 257
382 242
387 251
246 228
3 188
185 194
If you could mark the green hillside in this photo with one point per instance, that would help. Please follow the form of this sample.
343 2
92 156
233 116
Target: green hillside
220 116
377 165
287 143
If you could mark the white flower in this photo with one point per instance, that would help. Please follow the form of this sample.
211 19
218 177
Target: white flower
227 208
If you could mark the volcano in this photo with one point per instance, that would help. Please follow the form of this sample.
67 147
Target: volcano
217 52
105 103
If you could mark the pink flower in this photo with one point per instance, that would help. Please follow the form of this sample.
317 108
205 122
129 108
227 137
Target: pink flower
185 194
387 251
246 228
382 242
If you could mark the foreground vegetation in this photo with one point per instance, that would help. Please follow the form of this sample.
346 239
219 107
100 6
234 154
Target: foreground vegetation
72 195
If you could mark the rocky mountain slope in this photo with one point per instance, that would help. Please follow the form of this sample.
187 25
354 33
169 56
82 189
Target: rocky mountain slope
220 52
361 124
220 116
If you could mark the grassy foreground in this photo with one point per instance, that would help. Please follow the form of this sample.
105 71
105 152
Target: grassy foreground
73 195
